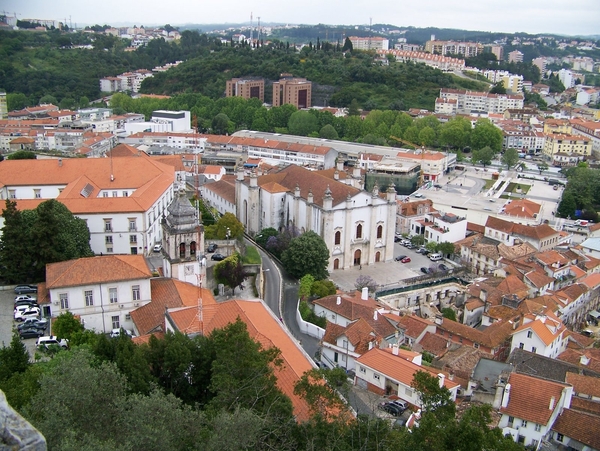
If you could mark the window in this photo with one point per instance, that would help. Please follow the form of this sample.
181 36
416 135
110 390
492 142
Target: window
476 345
511 420
108 225
115 322
132 225
359 231
125 194
182 250
338 238
362 369
344 357
37 193
133 238
379 231
108 239
376 376
64 300
105 194
408 391
521 345
524 423
559 437
12 194
89 298
538 427
127 317
114 194
135 292
533 349
193 248
529 334
112 295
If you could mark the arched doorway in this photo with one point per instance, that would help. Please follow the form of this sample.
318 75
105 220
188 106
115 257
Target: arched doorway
377 256
357 254
336 263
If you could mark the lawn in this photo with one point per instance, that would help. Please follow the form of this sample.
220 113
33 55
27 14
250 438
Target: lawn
251 257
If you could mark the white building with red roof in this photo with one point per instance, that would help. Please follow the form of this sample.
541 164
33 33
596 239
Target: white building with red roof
541 333
386 371
122 198
530 406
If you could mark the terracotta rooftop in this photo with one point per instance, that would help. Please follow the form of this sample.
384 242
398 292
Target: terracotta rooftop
491 337
576 356
529 398
584 386
413 325
94 270
434 344
580 426
224 188
522 208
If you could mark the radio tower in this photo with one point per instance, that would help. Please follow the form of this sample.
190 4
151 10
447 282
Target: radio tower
258 30
250 29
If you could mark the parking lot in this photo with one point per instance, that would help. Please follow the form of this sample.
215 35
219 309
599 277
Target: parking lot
388 273
8 324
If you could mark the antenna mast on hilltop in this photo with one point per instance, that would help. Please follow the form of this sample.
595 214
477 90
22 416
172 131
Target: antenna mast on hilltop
250 29
258 30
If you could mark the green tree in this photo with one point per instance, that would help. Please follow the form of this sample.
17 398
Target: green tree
484 156
304 289
321 395
264 236
542 166
14 359
348 47
417 240
446 248
353 108
230 272
221 124
307 254
302 123
15 259
227 223
449 313
66 325
328 132
567 206
434 399
48 99
431 246
498 88
427 136
510 157
322 288
243 373
456 132
486 134
22 155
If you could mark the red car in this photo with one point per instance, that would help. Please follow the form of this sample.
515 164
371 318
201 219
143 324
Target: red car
405 260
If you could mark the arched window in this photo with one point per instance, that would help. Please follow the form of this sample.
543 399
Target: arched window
193 248
338 237
359 231
182 250
379 231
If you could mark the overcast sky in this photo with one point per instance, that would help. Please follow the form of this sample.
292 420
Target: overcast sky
532 16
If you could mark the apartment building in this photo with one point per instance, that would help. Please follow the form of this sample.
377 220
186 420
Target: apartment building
472 101
515 57
293 91
246 88
566 150
443 63
591 131
3 107
468 49
369 43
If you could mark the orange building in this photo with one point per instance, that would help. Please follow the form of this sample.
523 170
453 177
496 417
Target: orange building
245 88
295 91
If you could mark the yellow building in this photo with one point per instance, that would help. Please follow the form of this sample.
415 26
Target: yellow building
566 150
557 126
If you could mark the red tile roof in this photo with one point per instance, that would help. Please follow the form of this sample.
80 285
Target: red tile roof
94 270
584 385
580 426
413 325
530 398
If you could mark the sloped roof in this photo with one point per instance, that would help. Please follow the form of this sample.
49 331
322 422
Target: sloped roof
540 366
434 344
584 385
574 356
413 325
224 188
396 367
267 330
492 336
523 208
94 270
529 398
541 330
580 426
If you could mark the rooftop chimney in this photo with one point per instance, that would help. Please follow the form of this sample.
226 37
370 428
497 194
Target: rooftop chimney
584 360
506 396
336 175
375 315
340 165
395 349
483 295
552 401
441 379
60 162
365 294
338 301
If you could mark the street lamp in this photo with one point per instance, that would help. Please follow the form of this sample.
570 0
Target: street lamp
228 235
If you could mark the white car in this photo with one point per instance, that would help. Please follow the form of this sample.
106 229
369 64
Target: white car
116 333
157 247
25 297
49 340
23 312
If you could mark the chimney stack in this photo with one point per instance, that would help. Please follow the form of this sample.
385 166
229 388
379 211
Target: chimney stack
506 396
395 349
339 165
59 162
552 401
375 315
338 301
365 294
441 379
336 175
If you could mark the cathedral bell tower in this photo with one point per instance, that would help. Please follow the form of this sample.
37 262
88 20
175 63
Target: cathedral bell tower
183 241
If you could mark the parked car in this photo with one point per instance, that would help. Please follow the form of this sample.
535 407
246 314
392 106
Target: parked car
30 332
116 333
391 408
217 257
405 260
25 297
443 267
37 323
26 302
24 289
425 270
397 239
423 250
400 258
49 340
157 247
409 246
31 312
212 248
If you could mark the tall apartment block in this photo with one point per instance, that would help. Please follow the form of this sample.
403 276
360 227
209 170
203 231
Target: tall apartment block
295 91
3 107
246 88
468 49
